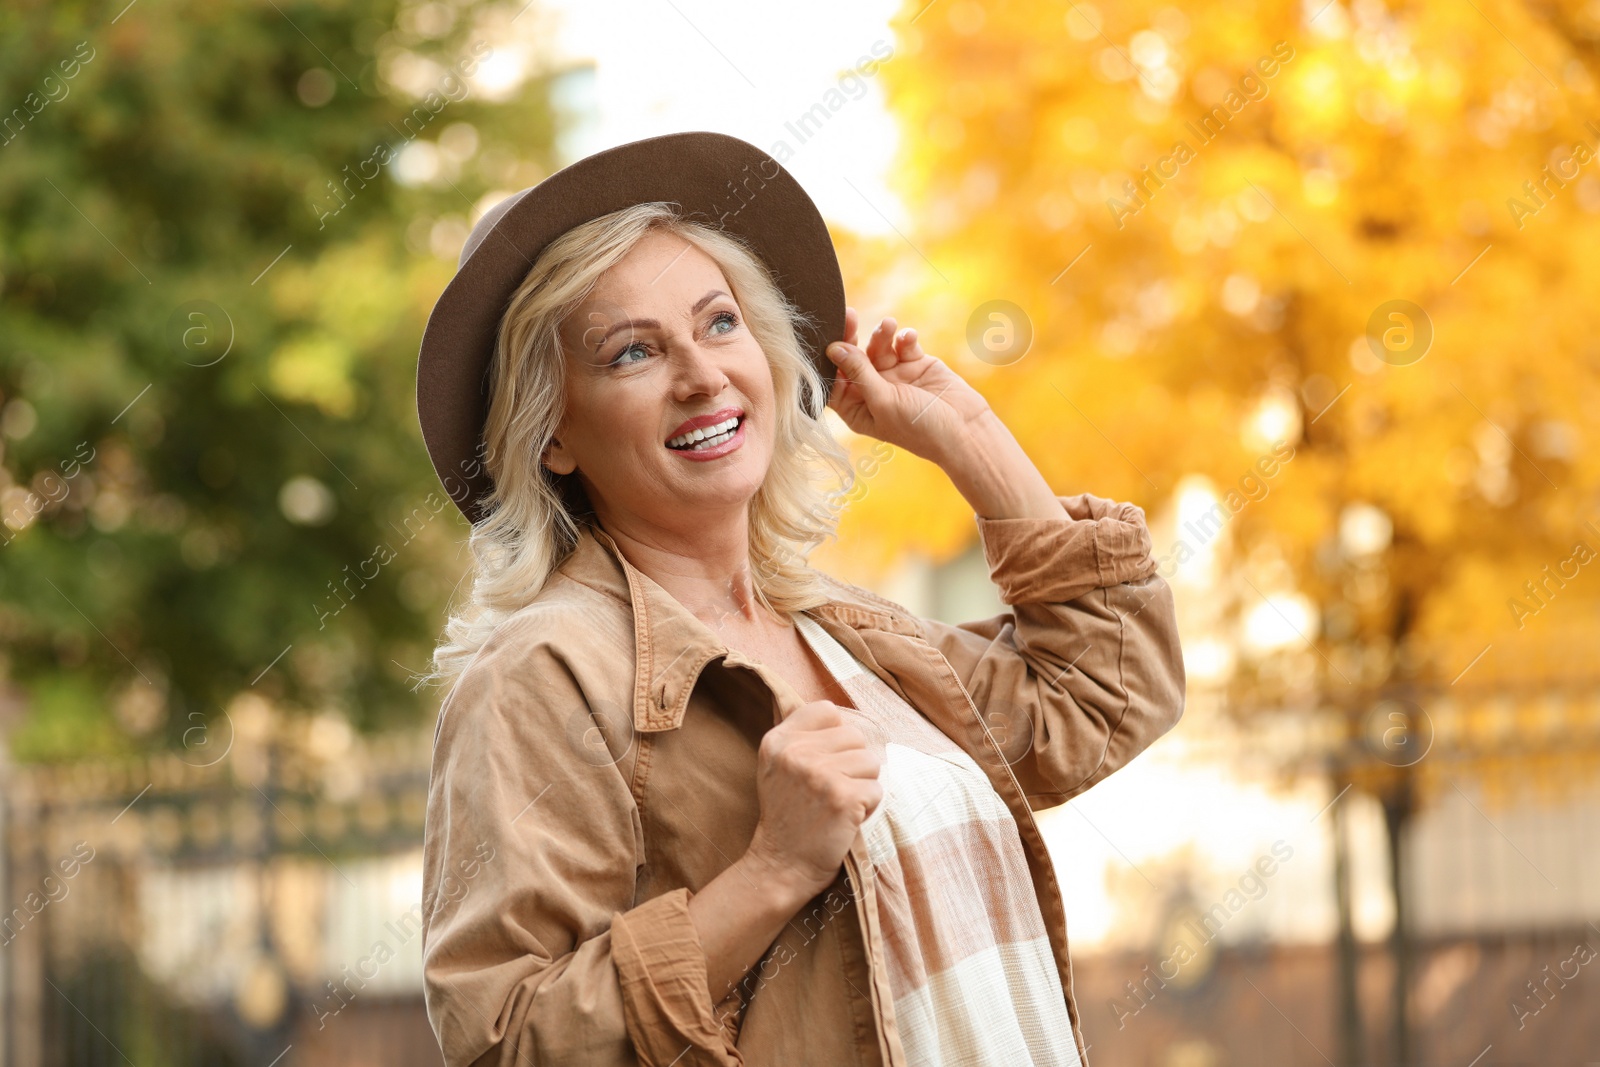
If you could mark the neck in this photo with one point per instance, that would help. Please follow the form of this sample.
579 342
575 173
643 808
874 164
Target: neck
705 568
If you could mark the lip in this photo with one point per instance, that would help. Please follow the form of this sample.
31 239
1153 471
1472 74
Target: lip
700 422
718 451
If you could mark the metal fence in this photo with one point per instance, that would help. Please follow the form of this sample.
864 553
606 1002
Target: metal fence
217 905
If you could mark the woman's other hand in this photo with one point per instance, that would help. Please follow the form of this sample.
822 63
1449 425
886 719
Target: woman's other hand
816 781
896 392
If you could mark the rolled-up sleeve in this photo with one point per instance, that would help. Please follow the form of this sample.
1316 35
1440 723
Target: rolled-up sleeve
662 967
534 952
1086 669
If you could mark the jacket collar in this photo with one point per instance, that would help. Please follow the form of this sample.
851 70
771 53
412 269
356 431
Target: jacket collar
673 646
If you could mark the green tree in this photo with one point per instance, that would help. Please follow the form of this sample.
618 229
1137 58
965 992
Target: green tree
221 229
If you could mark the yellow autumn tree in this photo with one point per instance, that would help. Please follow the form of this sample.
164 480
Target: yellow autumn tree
1338 259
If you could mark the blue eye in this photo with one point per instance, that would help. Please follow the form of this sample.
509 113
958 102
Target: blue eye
722 316
619 360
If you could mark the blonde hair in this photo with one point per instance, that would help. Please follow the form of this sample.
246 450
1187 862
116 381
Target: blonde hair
531 519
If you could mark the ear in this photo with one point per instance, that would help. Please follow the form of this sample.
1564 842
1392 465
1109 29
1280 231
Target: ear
557 458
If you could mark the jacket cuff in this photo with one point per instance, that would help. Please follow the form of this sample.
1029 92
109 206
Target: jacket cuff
666 998
1096 543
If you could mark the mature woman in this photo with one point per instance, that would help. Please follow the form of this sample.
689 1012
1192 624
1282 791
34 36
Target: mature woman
692 800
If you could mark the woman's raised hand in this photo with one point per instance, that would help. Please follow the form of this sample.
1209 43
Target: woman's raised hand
896 392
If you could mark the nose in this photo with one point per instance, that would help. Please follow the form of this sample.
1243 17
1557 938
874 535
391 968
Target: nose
697 371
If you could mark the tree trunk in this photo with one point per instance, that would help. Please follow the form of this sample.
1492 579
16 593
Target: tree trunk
1398 807
1350 1036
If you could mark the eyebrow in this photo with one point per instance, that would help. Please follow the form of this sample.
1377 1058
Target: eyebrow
652 324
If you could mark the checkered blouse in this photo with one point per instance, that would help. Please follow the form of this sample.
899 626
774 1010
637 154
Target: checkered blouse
970 965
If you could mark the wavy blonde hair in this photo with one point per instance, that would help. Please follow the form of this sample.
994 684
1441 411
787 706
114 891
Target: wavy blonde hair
532 518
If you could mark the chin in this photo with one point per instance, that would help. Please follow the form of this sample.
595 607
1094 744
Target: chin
733 484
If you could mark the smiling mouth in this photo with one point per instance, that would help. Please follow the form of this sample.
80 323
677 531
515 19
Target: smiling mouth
710 437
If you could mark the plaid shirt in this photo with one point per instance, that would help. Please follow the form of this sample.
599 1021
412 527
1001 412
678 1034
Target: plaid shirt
967 950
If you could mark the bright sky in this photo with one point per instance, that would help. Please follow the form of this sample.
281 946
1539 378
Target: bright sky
748 70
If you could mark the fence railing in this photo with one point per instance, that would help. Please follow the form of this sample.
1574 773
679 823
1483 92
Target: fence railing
197 906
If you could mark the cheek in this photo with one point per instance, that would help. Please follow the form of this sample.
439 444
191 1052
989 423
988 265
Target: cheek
602 418
754 377
762 403
619 440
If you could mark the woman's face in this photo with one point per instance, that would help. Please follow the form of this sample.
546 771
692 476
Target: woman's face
659 346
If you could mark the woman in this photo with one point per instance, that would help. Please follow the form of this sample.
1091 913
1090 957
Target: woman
693 801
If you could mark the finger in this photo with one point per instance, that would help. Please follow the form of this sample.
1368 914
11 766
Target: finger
847 403
880 349
875 798
906 344
857 763
854 365
852 322
871 344
835 742
816 712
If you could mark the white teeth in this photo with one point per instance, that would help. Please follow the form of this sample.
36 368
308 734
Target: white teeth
708 436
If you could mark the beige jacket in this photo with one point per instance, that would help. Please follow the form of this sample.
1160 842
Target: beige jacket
594 766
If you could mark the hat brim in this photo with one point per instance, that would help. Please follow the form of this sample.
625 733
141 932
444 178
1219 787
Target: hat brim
714 178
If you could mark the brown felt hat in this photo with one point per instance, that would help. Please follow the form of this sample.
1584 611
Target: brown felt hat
712 177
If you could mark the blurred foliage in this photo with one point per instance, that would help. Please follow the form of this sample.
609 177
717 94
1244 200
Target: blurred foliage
1362 153
211 296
